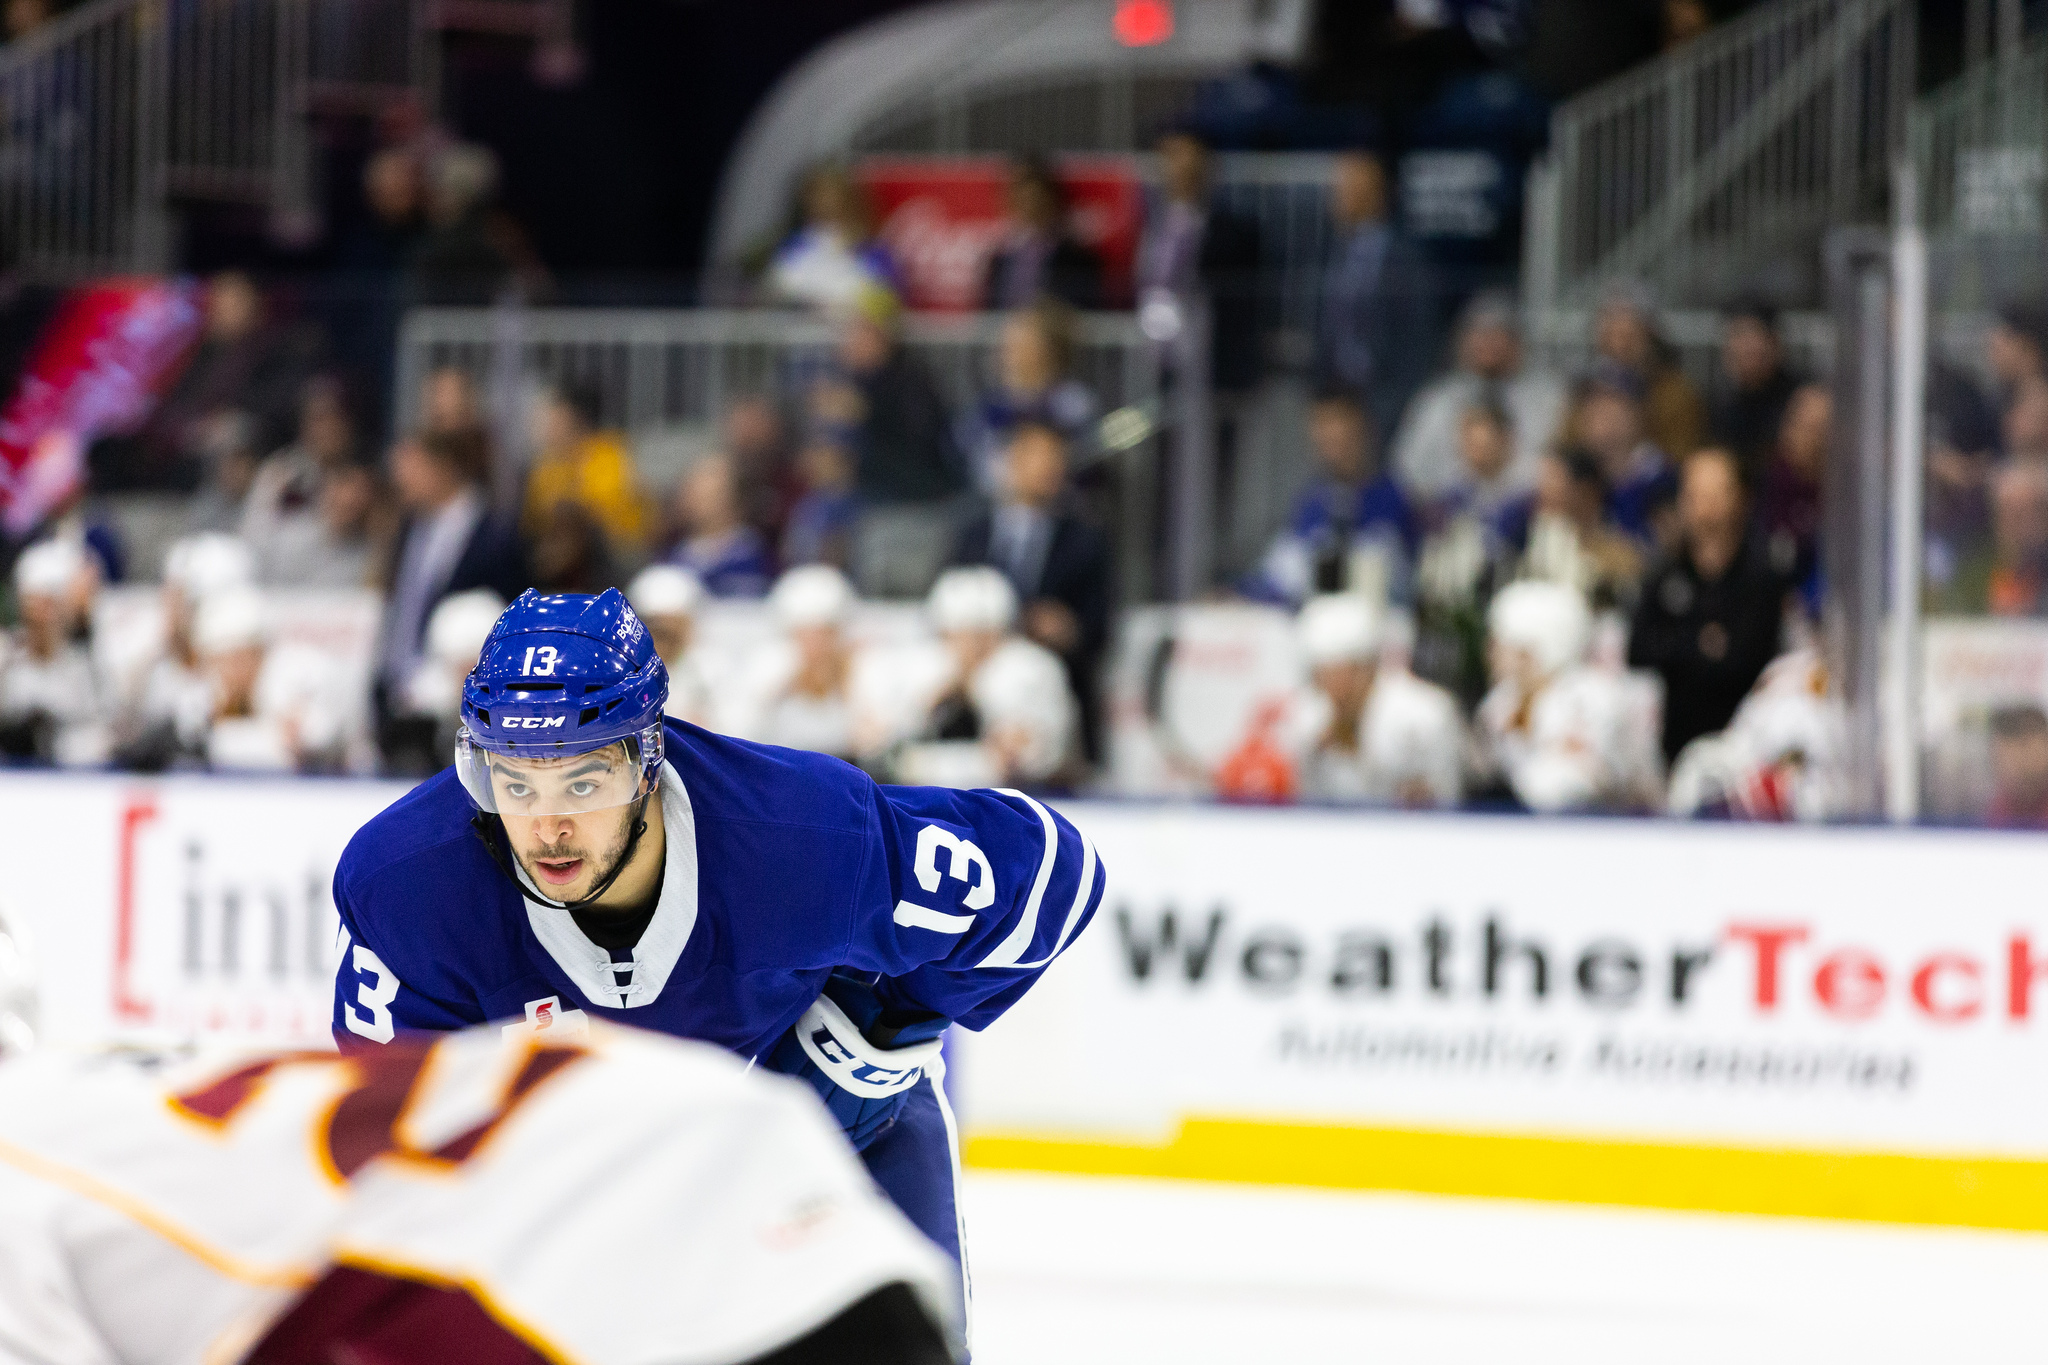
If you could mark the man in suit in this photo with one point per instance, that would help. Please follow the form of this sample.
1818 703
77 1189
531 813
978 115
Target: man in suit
1058 563
1194 244
1378 334
1037 257
450 542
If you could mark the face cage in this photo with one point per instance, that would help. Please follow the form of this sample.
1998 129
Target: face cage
626 783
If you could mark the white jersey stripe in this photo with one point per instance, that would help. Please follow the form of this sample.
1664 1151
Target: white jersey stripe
1010 949
1082 891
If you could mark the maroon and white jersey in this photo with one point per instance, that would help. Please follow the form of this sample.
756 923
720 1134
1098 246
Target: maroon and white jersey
616 1199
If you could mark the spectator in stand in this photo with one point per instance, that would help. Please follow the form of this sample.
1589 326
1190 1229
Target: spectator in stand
1608 421
1195 246
667 599
728 556
449 542
1057 563
1571 537
883 406
1352 529
2019 768
2008 576
167 719
51 705
1367 731
1685 20
2025 426
568 552
1553 734
835 255
1749 410
1478 527
821 526
370 261
1377 337
1712 614
2017 347
26 16
576 463
1789 509
228 462
287 491
336 542
462 258
1429 451
242 364
985 708
1625 332
450 403
1034 383
1038 256
755 435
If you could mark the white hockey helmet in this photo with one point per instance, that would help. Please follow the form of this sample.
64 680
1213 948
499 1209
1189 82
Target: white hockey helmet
17 994
48 568
230 619
665 590
813 595
460 624
1549 620
1340 628
972 599
199 566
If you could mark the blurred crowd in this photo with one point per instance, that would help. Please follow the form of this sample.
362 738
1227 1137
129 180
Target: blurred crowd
1564 590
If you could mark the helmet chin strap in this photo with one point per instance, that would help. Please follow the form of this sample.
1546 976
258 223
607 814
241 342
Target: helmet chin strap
488 826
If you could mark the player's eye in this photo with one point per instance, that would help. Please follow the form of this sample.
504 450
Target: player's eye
518 791
579 790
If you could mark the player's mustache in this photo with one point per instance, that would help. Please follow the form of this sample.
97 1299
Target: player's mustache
549 854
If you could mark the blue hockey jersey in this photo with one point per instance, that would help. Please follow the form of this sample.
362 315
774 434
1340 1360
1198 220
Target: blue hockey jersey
781 867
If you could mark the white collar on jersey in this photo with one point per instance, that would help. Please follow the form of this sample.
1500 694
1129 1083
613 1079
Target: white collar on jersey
590 967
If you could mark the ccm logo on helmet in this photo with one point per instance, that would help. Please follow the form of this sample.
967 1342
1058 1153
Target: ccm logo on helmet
531 722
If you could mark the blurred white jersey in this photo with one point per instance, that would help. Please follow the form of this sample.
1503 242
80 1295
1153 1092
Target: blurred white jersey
624 1197
64 688
764 706
1019 695
1782 756
1583 742
1411 745
298 711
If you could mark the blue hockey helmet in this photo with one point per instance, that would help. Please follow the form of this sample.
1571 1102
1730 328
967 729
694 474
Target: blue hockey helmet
563 678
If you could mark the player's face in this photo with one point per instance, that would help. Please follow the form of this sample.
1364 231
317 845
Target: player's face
567 819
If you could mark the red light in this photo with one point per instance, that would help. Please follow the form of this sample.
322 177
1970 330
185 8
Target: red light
1143 23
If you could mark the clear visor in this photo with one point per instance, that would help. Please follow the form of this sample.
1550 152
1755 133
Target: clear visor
543 783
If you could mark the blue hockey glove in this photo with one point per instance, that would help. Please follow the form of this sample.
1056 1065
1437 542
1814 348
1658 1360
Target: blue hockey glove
861 1057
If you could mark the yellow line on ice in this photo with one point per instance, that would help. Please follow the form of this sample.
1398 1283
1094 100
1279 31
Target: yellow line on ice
1961 1191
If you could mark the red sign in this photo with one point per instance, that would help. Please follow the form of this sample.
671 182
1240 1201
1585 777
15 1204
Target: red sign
97 368
942 218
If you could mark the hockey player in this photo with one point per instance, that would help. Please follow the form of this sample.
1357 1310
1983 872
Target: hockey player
666 599
50 695
584 857
1563 735
988 707
272 708
615 1199
173 699
798 691
1781 757
1364 731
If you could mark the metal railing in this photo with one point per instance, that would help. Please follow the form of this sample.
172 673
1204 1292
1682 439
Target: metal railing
1717 167
114 112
